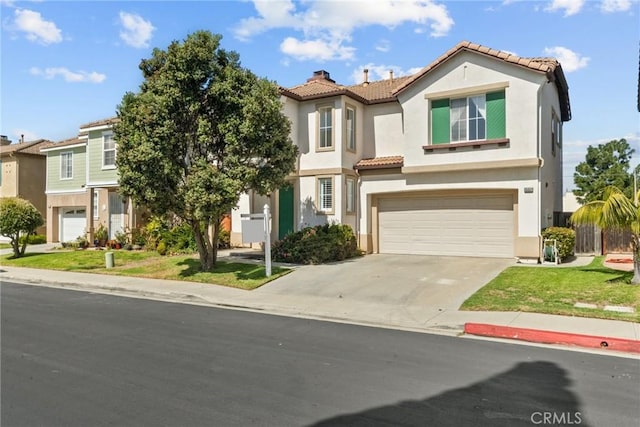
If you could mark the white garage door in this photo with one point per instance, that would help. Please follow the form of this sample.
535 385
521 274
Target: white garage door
479 225
73 224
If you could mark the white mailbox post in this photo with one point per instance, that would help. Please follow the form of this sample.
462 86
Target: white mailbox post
256 228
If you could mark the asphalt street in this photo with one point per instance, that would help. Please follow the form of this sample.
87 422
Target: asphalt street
72 358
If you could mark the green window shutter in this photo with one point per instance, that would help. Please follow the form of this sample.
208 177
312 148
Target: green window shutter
496 118
440 122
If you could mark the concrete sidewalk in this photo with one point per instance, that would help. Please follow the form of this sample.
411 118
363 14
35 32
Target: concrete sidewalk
387 313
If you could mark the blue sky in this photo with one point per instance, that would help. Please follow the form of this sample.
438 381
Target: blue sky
65 63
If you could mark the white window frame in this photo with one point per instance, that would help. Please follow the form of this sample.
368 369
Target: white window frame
323 197
66 170
350 128
105 136
466 119
350 195
327 129
96 204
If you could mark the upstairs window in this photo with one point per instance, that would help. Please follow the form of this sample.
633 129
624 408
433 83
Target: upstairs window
66 165
473 118
108 151
350 126
325 128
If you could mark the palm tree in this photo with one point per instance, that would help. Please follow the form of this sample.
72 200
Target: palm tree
618 212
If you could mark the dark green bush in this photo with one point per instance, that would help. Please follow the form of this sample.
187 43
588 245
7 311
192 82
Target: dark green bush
224 239
565 240
161 248
34 239
317 245
180 239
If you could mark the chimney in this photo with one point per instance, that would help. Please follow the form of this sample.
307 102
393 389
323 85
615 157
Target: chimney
21 138
391 75
4 140
321 75
366 77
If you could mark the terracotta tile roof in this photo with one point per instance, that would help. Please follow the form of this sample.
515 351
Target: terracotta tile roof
64 143
387 90
29 147
373 92
380 163
103 122
381 90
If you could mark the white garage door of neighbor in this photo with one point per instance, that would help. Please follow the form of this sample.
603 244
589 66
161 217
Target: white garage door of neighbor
74 221
479 225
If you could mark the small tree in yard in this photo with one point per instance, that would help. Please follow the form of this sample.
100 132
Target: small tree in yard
18 217
614 211
201 131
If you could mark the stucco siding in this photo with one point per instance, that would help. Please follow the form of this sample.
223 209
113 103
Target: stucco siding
9 186
466 72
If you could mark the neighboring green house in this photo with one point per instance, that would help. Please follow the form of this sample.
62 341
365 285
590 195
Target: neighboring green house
82 184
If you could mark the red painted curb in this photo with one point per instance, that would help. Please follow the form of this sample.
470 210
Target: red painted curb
551 337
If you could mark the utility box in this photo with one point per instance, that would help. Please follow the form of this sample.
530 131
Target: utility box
108 258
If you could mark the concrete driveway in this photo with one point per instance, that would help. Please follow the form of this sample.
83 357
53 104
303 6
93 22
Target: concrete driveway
410 281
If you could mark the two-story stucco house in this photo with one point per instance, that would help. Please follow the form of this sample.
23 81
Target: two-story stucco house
22 172
463 158
82 183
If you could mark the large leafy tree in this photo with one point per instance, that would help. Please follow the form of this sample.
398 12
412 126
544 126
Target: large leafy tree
18 218
605 165
616 211
201 131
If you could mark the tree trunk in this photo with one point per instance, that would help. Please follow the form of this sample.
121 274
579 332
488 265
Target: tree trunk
24 245
636 260
201 244
15 245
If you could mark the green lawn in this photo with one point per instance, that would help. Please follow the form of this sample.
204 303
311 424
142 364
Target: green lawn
555 290
5 245
150 264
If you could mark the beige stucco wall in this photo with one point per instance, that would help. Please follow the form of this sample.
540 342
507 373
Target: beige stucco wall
9 185
57 201
24 175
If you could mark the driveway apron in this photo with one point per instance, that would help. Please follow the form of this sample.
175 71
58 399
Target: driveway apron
410 281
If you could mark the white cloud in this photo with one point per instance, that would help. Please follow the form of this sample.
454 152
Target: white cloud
610 6
136 31
68 76
324 23
36 28
570 61
380 72
570 7
318 50
383 45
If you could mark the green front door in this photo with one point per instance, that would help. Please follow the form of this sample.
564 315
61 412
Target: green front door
285 211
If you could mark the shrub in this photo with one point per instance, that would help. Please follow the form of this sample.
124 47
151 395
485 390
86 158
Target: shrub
33 239
161 248
224 239
18 217
180 239
317 245
101 234
565 240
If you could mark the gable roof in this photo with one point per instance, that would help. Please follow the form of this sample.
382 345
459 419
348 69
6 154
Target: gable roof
367 93
97 123
387 90
29 147
64 143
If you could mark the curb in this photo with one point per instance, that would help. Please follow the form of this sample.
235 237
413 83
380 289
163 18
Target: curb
551 337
